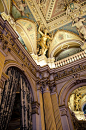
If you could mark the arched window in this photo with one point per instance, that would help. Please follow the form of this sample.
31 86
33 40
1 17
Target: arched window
17 81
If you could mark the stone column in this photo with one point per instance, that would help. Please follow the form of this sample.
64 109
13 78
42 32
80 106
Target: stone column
35 115
48 110
64 118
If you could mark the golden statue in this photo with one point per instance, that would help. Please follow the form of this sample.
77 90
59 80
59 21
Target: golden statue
43 40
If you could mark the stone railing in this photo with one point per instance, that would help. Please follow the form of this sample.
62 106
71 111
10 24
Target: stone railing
70 59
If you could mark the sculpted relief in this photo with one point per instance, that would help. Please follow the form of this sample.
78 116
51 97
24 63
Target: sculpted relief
79 23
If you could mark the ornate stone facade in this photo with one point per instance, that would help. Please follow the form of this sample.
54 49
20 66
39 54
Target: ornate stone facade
50 87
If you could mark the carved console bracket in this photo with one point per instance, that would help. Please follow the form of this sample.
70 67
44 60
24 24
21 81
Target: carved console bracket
35 107
63 110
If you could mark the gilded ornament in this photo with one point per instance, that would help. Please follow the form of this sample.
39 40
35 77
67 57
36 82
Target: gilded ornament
43 41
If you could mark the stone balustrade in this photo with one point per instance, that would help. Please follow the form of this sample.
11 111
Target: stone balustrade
70 59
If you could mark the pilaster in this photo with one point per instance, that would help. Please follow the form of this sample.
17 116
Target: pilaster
41 107
35 115
48 109
4 77
56 110
64 117
2 60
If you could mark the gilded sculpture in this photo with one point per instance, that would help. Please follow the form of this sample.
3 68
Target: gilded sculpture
77 101
43 40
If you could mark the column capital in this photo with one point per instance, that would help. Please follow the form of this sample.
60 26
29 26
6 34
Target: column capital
43 86
53 88
35 107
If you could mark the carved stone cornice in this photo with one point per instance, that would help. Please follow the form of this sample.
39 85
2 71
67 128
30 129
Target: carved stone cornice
74 70
58 74
9 43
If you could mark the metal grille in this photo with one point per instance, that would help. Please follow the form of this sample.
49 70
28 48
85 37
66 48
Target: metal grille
16 78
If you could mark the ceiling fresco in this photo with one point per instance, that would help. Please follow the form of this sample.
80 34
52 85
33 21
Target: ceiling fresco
20 9
58 8
46 12
53 15
55 7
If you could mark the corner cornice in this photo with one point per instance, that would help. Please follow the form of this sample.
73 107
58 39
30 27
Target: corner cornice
11 44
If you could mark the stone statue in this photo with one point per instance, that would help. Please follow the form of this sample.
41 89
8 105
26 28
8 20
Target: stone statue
43 41
78 22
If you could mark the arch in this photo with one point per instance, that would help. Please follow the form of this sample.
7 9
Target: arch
83 102
27 30
11 63
16 81
67 89
64 95
62 39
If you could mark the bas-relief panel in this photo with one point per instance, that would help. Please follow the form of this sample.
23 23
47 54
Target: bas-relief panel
20 9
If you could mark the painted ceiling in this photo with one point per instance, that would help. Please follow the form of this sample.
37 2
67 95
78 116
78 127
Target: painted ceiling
51 14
